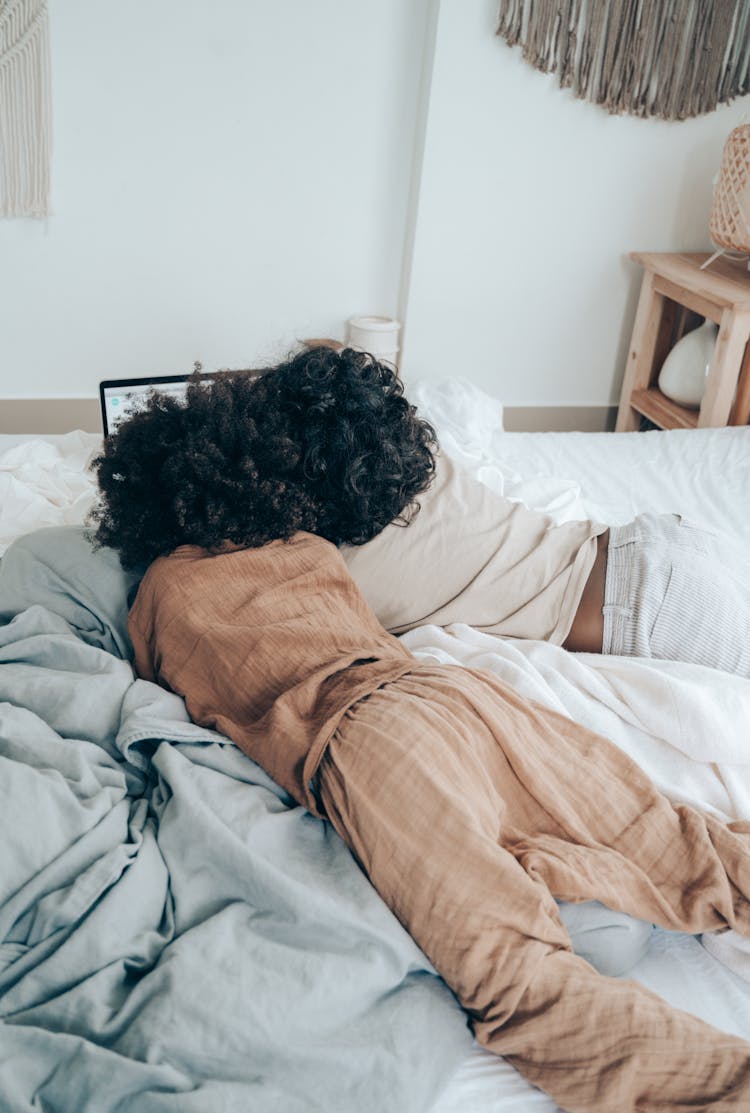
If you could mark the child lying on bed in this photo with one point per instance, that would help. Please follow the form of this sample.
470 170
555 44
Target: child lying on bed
354 459
469 808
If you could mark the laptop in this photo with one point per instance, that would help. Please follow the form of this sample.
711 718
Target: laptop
118 397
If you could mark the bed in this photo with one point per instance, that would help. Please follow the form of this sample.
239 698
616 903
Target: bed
176 936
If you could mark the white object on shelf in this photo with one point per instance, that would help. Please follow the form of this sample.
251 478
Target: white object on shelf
377 335
683 374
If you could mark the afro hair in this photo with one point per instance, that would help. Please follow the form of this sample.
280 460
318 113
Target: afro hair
324 442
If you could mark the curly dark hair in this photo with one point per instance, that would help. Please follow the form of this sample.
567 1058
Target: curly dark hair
323 442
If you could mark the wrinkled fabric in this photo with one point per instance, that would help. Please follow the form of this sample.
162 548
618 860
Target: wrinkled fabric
86 587
470 810
269 646
176 936
676 590
472 555
45 484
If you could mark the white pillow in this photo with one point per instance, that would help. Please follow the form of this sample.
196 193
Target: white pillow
469 425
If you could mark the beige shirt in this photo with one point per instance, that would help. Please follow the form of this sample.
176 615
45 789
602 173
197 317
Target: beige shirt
471 555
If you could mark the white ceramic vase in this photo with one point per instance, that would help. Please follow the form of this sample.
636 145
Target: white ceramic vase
683 374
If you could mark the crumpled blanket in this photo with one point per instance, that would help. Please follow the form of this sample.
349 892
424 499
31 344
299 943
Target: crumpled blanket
175 935
45 484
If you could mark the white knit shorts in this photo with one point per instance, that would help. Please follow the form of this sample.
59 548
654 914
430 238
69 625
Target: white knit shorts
677 591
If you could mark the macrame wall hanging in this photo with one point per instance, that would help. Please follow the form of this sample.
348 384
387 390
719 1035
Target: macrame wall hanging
24 108
665 58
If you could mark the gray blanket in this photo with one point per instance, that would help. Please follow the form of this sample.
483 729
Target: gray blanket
175 933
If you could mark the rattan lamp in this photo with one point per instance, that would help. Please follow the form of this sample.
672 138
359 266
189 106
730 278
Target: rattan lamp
729 225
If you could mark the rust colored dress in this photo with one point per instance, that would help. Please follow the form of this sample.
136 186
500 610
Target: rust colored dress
469 809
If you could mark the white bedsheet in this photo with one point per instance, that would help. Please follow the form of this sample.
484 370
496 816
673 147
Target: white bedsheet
676 967
610 477
44 481
686 726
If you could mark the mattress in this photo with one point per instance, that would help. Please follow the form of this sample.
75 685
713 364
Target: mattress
702 474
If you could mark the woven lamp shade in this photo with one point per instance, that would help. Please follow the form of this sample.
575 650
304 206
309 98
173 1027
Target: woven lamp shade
729 225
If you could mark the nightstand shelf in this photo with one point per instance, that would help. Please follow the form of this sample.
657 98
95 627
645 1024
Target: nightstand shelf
675 296
663 411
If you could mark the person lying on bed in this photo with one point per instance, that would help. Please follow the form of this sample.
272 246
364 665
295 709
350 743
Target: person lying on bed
358 462
469 808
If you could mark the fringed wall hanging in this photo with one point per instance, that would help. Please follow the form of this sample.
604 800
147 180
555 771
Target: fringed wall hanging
665 58
24 108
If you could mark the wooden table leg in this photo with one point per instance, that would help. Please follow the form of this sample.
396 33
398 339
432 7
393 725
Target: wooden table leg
725 369
642 350
740 413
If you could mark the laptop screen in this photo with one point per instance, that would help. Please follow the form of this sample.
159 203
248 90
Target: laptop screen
118 397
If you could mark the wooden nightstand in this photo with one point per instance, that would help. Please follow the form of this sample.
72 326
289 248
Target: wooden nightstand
675 295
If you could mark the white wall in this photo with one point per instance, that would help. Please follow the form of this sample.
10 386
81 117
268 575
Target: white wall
227 177
530 201
230 177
